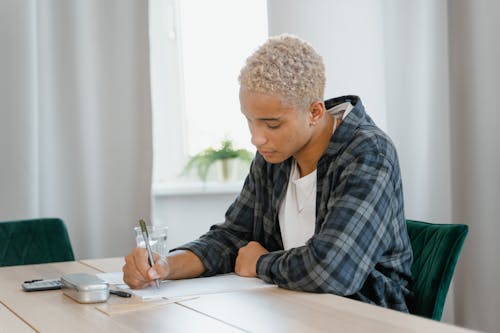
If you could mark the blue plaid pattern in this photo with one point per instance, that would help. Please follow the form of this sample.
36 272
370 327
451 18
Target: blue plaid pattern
360 248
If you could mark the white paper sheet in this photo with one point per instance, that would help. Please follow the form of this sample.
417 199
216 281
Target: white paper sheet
191 287
111 278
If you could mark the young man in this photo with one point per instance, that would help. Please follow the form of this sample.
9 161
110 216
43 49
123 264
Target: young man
322 207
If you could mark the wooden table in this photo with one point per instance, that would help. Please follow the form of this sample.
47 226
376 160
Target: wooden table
51 311
12 323
260 310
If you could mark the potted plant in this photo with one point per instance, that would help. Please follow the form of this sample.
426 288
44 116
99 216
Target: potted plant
202 161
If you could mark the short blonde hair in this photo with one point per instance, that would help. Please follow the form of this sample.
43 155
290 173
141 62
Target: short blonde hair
287 66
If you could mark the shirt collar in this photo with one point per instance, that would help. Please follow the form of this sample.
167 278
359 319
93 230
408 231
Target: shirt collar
350 122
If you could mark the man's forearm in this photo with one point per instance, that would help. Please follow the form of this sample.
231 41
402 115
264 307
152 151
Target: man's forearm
184 264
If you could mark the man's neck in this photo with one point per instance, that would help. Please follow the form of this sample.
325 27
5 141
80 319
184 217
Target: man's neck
307 159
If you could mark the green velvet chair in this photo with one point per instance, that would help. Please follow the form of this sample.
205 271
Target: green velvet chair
436 248
34 241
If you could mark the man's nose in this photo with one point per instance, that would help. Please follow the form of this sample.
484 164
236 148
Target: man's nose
258 139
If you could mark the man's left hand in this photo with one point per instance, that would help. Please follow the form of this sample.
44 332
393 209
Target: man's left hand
246 261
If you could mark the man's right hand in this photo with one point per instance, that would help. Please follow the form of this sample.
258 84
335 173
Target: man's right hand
138 274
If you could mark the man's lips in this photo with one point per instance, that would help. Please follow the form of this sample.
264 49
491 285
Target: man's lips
266 152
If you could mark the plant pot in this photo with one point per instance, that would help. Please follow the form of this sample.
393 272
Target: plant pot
225 169
228 170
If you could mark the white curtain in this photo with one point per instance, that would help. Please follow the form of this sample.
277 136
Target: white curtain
428 73
75 121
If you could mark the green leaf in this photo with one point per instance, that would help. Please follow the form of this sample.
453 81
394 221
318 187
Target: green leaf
202 161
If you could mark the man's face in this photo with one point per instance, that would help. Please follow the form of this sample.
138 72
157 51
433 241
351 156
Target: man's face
278 131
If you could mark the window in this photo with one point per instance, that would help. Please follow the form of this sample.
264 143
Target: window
197 50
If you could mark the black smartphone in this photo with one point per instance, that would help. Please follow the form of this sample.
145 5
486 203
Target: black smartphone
39 285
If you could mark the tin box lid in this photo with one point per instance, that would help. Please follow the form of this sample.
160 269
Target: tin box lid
83 282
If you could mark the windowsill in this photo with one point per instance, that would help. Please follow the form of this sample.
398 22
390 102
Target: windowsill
196 188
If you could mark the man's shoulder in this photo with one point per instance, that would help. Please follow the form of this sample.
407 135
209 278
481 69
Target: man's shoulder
368 138
367 143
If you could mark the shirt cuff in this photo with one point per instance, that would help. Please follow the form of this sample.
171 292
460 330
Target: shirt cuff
264 266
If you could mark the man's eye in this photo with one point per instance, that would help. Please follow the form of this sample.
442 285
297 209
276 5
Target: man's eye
271 126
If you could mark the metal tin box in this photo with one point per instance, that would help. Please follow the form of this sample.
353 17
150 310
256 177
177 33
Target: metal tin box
85 288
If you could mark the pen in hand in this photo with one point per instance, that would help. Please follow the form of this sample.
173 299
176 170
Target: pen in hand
145 235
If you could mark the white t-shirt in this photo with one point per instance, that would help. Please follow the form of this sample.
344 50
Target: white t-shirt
297 215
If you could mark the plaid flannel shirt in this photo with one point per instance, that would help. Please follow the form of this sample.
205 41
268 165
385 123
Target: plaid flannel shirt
360 247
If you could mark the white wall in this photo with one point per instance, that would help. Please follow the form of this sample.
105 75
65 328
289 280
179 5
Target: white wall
475 87
348 35
18 101
416 52
75 125
190 215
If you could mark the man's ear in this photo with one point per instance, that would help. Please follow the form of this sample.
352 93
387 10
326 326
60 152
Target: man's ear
316 111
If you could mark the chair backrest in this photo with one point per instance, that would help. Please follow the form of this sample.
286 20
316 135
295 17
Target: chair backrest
436 248
34 241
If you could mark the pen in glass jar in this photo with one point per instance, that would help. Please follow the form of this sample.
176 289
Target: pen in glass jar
145 235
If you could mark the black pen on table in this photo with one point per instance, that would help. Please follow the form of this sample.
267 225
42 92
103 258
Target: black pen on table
145 235
120 293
